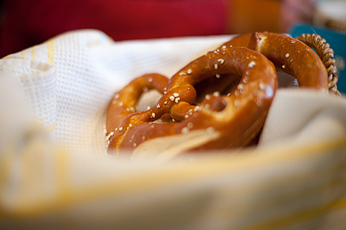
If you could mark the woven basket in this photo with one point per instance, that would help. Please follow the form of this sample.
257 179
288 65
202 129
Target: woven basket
327 56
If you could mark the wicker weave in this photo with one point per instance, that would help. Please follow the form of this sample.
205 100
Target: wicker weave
327 56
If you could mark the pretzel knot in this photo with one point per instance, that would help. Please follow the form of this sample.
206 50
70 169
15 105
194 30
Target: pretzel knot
237 117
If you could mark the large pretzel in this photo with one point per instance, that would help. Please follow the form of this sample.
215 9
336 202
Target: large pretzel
237 117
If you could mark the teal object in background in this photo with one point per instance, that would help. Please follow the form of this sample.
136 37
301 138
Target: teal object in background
336 40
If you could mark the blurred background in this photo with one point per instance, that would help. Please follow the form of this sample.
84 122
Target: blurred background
26 23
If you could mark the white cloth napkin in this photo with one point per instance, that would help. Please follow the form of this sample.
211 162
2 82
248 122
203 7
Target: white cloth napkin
70 80
303 117
295 178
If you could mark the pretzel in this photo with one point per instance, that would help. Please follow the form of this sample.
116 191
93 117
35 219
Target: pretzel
288 55
237 117
124 102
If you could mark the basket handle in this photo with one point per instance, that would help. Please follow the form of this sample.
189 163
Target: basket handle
327 56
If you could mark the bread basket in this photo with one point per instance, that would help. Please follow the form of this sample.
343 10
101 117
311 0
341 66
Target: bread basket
294 180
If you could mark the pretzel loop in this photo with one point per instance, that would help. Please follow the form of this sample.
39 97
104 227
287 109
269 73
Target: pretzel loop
124 102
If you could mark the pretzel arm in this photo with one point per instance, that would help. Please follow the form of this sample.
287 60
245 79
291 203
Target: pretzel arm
292 56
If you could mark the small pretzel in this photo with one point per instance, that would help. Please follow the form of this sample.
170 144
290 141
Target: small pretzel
289 55
238 117
124 102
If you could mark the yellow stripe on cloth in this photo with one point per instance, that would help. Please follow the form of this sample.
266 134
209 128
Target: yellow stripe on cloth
280 208
51 128
303 215
181 175
50 48
33 53
132 193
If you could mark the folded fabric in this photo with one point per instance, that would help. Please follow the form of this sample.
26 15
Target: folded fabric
55 171
304 117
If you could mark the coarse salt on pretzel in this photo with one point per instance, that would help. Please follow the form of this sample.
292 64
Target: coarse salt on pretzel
237 117
289 55
124 102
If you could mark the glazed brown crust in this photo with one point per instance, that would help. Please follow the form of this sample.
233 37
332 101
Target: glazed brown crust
288 55
292 56
238 117
124 102
241 40
246 64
